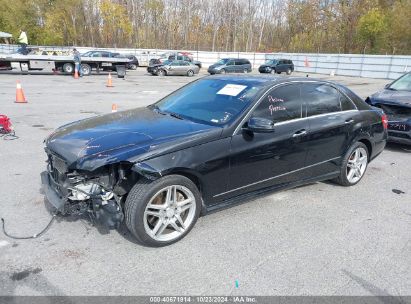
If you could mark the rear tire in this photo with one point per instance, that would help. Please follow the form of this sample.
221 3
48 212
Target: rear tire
190 73
288 71
354 165
85 69
146 207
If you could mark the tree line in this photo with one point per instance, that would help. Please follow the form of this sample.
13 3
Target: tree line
324 26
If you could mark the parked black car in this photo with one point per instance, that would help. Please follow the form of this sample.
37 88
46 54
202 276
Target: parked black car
133 64
100 54
230 65
395 100
208 145
277 66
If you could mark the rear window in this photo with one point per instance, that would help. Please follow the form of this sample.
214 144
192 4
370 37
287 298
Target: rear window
320 98
346 103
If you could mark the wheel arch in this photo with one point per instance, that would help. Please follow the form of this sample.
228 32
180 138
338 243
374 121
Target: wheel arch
150 173
368 144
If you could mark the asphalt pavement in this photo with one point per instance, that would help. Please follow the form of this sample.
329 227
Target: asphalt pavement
319 239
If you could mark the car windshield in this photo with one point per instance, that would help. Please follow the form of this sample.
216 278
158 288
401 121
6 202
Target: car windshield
210 101
86 54
402 84
223 61
167 62
271 61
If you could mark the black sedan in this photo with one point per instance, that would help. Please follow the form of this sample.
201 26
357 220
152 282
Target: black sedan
395 100
210 144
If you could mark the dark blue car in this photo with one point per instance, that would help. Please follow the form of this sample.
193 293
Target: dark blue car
395 100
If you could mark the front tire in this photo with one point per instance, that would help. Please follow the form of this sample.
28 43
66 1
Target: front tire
161 72
68 68
354 165
289 71
190 73
162 212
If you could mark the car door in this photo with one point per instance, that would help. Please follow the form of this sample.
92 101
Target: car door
230 66
173 68
239 66
331 116
259 160
282 66
184 67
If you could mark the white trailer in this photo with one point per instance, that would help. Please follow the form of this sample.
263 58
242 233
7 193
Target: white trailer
60 63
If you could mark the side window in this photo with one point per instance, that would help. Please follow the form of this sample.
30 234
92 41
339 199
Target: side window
346 103
320 98
281 104
175 63
231 62
238 62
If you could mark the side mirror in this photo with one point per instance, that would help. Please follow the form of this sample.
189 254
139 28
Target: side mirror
260 125
387 86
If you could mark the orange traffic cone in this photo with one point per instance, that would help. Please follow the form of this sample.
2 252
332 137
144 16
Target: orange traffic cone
20 94
113 108
75 73
306 62
109 81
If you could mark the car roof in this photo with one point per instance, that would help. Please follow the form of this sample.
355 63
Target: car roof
267 80
231 58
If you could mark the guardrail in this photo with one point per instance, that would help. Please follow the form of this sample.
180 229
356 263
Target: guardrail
356 65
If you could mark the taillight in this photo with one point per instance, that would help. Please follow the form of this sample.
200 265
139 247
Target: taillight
384 120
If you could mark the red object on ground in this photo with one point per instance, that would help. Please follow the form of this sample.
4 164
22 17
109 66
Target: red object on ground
5 124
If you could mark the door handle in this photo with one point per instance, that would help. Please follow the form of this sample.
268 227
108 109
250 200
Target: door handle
300 133
348 121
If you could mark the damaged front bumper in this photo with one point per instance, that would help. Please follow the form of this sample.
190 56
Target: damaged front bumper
51 192
105 209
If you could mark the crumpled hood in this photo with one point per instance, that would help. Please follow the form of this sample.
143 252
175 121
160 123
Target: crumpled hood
138 133
393 97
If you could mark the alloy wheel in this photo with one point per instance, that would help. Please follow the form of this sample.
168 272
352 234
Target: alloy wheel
169 213
356 165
